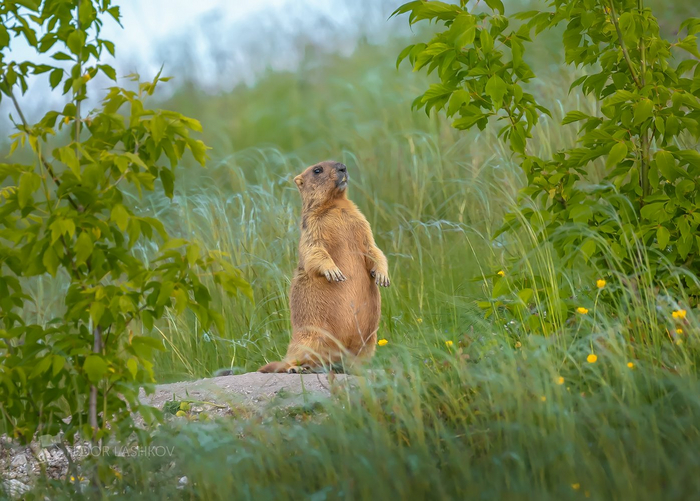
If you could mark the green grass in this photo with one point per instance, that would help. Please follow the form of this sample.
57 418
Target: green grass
484 418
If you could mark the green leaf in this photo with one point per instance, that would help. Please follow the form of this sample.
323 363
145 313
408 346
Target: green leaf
588 249
28 184
517 138
192 253
42 366
157 125
581 213
662 237
75 41
68 157
496 88
61 56
97 309
4 37
617 154
666 164
95 368
496 5
58 363
50 261
650 211
108 70
199 150
83 248
147 320
642 111
574 116
120 216
133 367
168 180
181 300
486 41
463 30
685 245
56 77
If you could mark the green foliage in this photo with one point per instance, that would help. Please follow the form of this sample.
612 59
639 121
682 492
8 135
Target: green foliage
517 424
68 215
626 197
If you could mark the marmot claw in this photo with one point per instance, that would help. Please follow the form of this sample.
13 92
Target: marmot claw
299 370
334 275
381 279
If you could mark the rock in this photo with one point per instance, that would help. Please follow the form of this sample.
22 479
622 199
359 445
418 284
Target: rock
19 461
14 488
43 456
252 388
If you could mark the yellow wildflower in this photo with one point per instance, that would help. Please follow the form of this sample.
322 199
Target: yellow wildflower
382 342
630 365
87 77
501 273
679 314
419 320
518 344
543 398
448 343
66 120
582 310
592 358
560 380
180 413
600 283
679 331
575 486
679 342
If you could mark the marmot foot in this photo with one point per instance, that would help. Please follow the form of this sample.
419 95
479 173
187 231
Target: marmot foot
334 275
381 279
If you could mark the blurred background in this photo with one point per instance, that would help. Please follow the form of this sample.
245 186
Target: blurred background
281 84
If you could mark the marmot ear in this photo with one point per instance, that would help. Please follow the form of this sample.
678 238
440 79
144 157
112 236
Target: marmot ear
298 181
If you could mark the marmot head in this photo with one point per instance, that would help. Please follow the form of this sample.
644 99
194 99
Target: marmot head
322 182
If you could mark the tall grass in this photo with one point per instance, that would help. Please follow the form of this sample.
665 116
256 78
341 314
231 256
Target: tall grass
459 406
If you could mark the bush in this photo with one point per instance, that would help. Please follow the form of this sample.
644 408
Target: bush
623 203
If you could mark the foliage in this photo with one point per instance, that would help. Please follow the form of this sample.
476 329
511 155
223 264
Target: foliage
626 196
515 424
68 215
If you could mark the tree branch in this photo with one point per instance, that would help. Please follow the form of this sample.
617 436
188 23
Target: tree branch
613 15
43 161
92 405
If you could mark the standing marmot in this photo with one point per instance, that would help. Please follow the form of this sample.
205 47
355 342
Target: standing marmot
334 299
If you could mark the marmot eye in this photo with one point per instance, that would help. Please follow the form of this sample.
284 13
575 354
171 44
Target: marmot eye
318 170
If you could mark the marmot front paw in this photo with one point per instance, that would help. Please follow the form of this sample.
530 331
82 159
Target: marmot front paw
381 279
334 275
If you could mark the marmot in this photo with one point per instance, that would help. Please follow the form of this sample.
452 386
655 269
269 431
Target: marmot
334 299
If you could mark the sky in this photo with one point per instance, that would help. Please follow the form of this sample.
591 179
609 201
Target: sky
220 43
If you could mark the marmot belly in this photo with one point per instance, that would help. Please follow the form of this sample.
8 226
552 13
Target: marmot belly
349 311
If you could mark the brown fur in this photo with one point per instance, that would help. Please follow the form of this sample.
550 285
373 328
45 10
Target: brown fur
334 298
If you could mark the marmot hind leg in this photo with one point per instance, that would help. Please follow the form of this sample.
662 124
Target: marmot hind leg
309 351
274 367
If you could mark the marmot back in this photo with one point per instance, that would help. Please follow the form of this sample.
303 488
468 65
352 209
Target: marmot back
334 299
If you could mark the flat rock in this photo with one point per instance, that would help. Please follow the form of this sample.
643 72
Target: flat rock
247 389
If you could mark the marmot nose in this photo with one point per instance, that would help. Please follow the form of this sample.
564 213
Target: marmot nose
340 167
